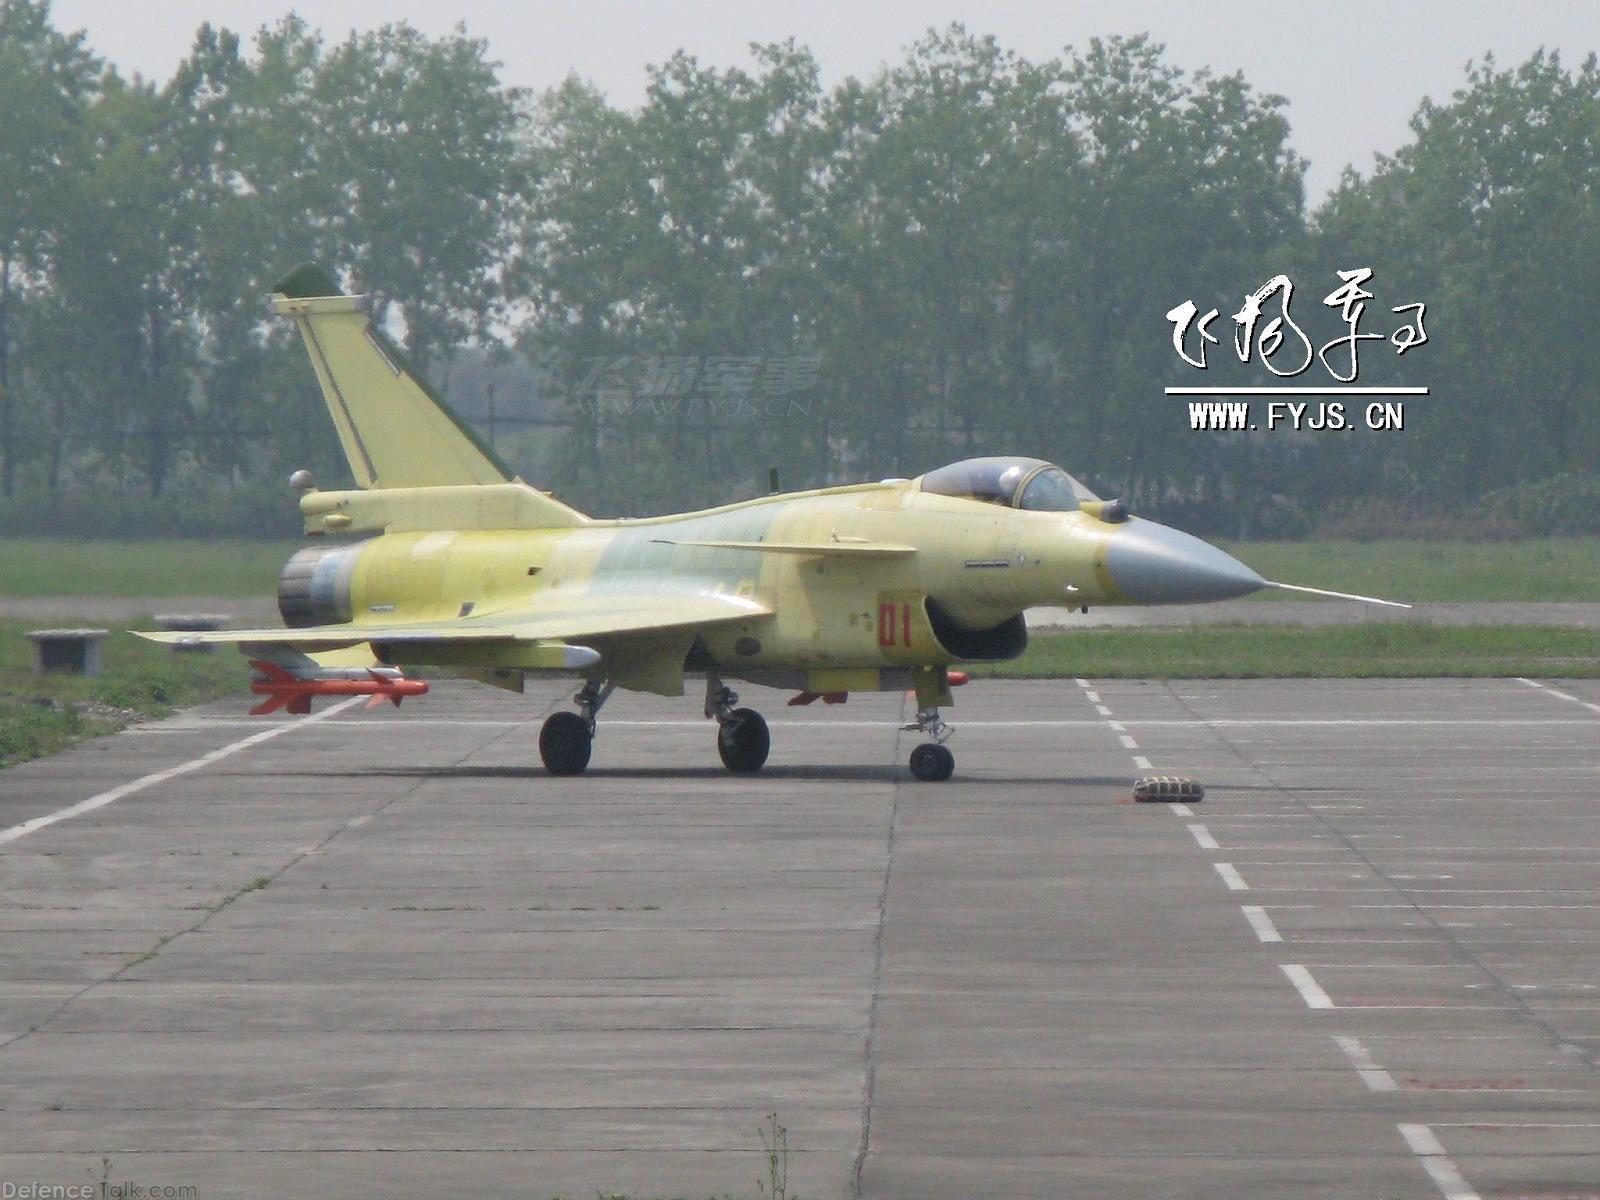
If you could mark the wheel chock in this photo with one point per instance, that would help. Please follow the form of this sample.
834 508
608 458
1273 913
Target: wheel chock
1167 789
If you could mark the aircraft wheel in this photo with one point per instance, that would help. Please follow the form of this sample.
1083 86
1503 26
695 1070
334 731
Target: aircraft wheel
932 763
743 741
564 743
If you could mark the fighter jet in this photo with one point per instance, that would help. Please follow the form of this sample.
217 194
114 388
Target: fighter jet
442 558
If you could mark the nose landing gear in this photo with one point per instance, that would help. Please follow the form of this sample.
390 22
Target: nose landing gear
932 761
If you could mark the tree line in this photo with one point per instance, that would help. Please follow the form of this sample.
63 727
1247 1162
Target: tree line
969 252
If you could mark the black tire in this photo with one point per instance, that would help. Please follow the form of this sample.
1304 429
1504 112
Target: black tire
564 743
932 763
743 741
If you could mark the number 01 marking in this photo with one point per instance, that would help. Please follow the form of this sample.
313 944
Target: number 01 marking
894 624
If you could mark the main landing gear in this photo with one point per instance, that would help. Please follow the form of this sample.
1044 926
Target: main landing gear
742 737
568 737
932 761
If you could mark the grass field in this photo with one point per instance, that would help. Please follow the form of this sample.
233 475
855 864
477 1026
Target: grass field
1415 571
171 567
1540 569
39 714
1342 651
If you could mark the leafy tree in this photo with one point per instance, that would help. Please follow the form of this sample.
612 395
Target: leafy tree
956 161
1492 216
1190 190
47 80
416 138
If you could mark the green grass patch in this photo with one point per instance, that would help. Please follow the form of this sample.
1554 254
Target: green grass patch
40 714
50 567
1344 651
1412 571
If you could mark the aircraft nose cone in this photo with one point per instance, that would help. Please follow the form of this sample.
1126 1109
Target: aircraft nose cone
1153 564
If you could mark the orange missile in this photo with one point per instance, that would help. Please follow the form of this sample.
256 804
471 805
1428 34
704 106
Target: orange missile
285 689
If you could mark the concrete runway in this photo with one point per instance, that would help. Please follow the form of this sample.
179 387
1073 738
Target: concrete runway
382 954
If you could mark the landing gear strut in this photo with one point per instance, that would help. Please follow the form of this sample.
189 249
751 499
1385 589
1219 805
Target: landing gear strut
742 737
567 737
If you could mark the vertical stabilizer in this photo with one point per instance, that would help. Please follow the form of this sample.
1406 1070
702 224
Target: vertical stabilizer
395 431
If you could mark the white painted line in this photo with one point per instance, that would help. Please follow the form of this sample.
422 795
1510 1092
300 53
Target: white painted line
1102 710
1231 877
1092 697
1203 836
112 795
1490 907
1424 1008
1116 726
404 721
1374 1076
1529 682
1340 722
1421 1139
1083 683
1550 691
1261 923
1177 810
1141 762
1127 742
1310 990
1516 1124
1426 1147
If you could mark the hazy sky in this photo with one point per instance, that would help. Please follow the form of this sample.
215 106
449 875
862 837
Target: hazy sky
1353 72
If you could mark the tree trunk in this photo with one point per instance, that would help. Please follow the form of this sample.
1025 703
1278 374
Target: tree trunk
156 462
8 451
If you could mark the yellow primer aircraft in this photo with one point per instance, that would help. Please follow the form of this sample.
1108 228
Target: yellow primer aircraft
867 587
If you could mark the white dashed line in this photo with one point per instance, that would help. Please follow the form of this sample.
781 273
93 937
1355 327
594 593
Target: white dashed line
112 795
1203 836
1261 923
1374 1076
1550 691
1426 1147
1140 762
1177 810
1231 877
1310 990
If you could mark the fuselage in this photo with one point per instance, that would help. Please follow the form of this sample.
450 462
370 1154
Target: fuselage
972 567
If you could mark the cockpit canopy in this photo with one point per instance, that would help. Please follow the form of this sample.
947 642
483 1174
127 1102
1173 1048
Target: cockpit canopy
1029 483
